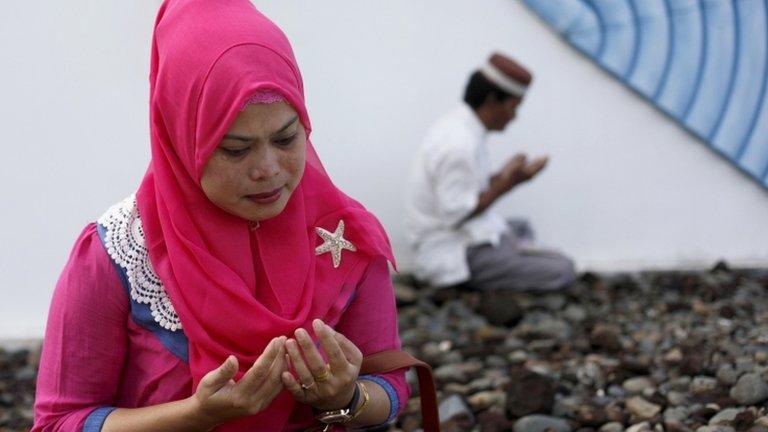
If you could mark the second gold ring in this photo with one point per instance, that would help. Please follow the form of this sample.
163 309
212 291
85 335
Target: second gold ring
323 376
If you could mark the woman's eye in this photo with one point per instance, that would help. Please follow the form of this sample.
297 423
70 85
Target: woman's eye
235 152
285 142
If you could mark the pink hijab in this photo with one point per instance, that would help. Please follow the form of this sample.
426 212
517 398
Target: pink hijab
209 57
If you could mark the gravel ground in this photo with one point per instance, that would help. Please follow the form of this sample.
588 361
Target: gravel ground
671 351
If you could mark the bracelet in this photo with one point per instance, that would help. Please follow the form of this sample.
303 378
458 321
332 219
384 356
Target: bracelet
355 399
366 398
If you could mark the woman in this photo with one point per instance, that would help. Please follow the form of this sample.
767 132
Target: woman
238 289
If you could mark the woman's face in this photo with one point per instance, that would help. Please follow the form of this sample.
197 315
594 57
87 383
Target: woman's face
258 164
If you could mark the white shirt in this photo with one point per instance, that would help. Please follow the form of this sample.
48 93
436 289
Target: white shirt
449 172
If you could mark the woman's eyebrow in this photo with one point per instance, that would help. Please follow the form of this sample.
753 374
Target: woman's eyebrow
287 125
243 138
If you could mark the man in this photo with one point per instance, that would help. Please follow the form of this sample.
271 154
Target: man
455 233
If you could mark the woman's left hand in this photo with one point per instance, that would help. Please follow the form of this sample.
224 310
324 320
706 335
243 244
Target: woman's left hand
323 386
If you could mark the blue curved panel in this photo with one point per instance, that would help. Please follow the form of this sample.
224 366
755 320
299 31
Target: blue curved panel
703 62
653 45
711 98
620 34
748 80
685 33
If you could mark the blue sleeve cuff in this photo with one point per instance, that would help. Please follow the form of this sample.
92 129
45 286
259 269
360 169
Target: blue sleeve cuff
394 401
95 419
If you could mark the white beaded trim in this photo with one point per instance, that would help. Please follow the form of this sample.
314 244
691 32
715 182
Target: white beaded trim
125 243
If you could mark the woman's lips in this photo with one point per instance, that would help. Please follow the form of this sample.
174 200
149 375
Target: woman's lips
266 197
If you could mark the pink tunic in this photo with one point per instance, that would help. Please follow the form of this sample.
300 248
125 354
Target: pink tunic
95 357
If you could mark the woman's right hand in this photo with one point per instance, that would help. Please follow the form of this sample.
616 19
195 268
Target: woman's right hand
219 398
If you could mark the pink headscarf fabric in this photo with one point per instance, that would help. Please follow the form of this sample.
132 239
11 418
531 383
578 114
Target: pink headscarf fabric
209 57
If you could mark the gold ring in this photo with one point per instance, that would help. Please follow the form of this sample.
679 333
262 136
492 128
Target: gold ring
307 387
324 376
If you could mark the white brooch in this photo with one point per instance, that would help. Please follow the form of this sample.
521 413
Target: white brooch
334 242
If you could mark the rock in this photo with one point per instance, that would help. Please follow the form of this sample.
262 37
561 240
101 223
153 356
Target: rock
615 412
676 398
456 388
25 374
518 357
703 414
472 367
641 408
454 409
680 383
541 423
490 334
553 302
744 420
591 374
612 427
673 356
413 337
567 406
433 353
750 389
500 308
702 384
493 421
744 365
606 338
636 385
637 364
715 429
616 391
410 423
724 417
451 373
673 426
574 313
529 392
512 343
486 399
453 357
496 361
590 415
726 374
694 360
404 294
541 325
640 427
480 384
543 346
676 414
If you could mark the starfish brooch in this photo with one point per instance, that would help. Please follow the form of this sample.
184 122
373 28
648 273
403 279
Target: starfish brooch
334 242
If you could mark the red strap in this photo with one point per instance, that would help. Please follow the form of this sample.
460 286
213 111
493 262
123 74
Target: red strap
387 361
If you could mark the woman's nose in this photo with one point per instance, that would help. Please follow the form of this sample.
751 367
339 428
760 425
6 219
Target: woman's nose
265 166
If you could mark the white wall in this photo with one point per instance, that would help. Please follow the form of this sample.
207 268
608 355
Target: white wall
626 188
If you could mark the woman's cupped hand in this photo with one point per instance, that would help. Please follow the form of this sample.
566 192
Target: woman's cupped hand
220 398
312 381
294 364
